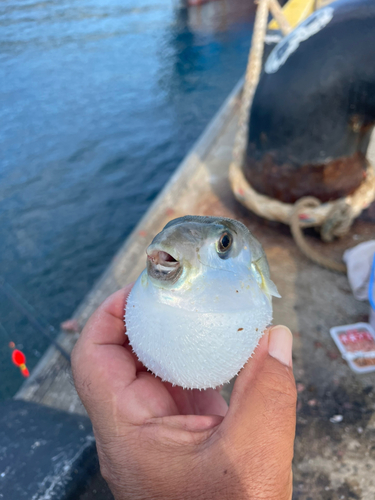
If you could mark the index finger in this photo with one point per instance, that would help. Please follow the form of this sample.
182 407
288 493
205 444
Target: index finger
99 354
109 378
104 331
106 327
110 317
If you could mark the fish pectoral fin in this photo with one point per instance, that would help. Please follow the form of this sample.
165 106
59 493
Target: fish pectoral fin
271 288
267 285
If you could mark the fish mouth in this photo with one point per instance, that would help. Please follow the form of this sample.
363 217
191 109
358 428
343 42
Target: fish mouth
162 266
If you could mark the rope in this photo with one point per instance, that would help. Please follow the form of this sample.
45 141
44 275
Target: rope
335 218
338 222
254 67
279 15
299 238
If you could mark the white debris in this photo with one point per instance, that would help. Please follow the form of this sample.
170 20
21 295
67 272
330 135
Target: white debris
336 419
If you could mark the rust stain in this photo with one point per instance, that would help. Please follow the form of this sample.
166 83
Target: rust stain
288 182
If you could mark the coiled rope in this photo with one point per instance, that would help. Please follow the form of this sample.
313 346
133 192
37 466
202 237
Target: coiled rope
334 218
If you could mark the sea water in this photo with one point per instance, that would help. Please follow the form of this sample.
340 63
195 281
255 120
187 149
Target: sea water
99 102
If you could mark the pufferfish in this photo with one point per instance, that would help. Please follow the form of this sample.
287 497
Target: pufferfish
198 310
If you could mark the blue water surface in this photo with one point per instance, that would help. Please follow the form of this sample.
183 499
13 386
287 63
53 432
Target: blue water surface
99 102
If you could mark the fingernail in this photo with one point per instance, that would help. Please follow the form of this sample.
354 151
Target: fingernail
280 344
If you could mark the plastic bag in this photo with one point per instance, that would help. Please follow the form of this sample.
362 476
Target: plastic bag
359 263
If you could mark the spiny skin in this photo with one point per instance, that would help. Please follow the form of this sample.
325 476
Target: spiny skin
197 312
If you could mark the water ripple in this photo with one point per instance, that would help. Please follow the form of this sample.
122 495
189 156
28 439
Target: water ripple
99 102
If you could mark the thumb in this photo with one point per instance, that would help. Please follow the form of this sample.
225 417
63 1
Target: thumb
262 413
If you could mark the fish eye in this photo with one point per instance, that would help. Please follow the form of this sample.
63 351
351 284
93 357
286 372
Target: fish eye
224 243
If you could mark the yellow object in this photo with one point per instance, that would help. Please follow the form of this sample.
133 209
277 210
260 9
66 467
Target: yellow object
322 3
295 11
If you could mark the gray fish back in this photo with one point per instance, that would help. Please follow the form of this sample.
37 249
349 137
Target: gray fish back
207 219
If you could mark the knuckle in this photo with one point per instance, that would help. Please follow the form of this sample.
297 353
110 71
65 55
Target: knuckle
74 357
75 367
106 472
83 387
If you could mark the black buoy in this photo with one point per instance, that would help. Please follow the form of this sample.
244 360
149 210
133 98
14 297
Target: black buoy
314 107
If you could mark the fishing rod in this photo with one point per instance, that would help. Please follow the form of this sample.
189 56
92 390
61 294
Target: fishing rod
26 309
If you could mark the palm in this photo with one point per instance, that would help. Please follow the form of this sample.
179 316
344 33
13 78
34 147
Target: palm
120 374
186 401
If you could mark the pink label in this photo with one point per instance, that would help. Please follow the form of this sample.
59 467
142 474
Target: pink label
357 340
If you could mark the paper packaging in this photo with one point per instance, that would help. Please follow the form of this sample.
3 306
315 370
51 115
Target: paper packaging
357 345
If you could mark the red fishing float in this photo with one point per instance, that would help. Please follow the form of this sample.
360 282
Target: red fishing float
19 359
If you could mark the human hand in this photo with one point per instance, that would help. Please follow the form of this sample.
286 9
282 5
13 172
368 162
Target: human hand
156 441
